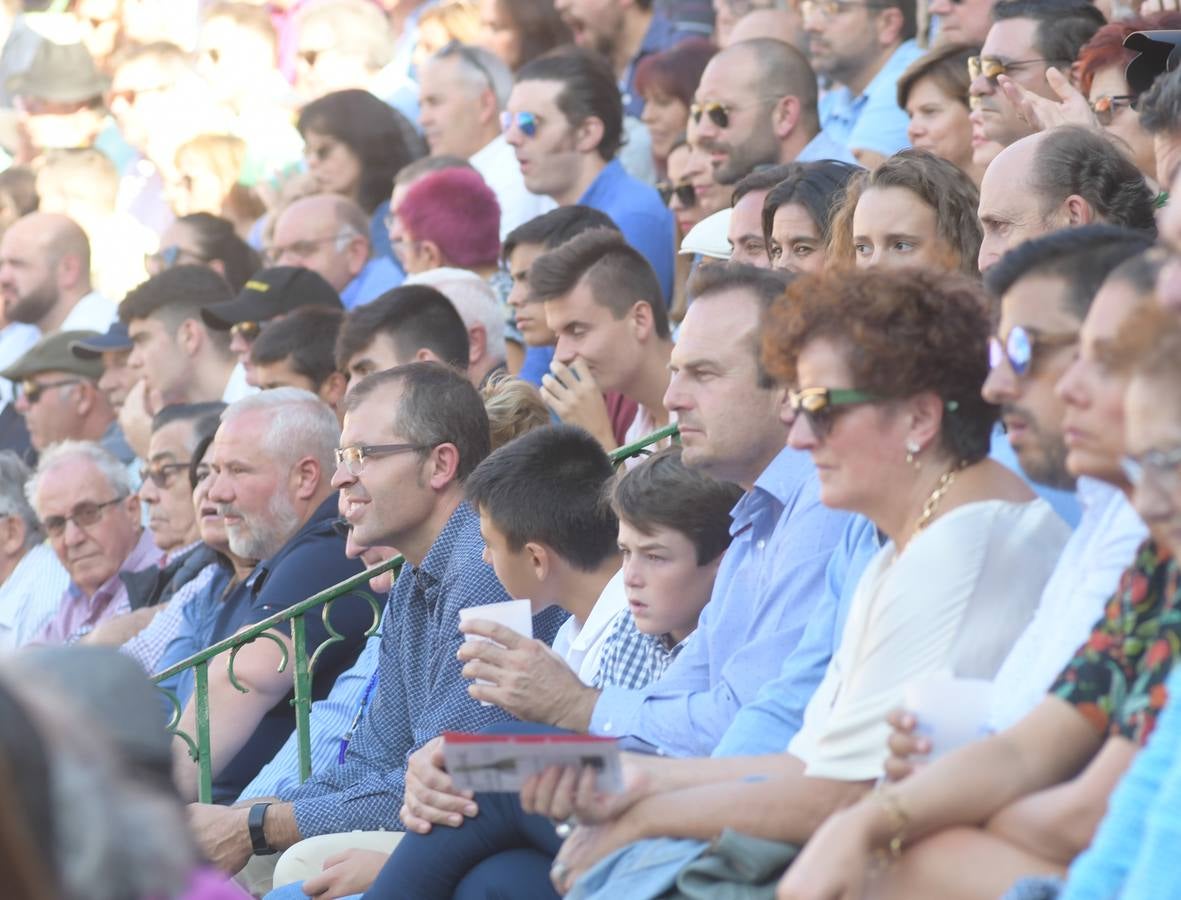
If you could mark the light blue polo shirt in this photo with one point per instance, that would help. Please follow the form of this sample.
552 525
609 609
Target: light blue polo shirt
872 120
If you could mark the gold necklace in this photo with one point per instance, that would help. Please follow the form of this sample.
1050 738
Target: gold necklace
944 485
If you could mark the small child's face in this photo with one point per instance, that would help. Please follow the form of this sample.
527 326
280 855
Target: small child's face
666 588
513 568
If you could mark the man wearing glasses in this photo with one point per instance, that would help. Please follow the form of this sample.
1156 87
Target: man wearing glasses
564 120
58 395
329 234
861 47
82 495
1027 37
463 91
1045 288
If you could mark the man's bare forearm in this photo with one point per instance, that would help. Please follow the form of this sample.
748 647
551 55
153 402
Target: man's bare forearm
788 807
280 827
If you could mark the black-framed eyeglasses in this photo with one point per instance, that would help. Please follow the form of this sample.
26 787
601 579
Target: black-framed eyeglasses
247 331
1161 467
526 122
832 8
1021 345
32 390
821 406
1104 107
162 473
992 67
354 458
83 515
342 527
683 191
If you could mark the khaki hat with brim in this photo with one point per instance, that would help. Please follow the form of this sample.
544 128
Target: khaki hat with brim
60 73
53 354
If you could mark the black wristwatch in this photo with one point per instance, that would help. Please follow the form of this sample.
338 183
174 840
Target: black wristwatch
258 836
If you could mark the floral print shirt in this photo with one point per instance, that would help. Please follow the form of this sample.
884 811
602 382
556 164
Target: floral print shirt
1117 678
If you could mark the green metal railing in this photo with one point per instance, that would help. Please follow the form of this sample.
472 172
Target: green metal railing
199 744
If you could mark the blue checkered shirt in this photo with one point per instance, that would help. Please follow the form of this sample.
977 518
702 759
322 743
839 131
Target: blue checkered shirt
632 659
420 689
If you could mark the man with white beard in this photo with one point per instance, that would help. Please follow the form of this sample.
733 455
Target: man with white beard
271 466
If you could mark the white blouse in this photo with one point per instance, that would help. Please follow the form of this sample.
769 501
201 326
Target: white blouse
954 601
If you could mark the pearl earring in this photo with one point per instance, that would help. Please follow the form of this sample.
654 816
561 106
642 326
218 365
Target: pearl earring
912 451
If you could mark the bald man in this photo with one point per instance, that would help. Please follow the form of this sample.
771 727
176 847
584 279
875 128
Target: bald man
1051 180
45 276
742 134
329 234
784 25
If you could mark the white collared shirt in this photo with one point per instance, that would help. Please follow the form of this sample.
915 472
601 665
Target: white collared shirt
93 312
497 164
582 645
1088 571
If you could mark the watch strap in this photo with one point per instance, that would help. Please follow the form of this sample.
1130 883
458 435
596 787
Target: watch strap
258 837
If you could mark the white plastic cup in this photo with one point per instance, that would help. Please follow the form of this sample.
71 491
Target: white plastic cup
514 614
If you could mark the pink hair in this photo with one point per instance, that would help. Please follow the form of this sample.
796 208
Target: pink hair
456 210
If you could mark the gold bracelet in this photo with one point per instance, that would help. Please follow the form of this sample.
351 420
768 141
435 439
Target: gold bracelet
888 801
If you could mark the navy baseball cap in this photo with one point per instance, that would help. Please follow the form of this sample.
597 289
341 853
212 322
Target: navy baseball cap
92 347
1159 52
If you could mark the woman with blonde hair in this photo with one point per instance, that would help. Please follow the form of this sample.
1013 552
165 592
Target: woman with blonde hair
212 177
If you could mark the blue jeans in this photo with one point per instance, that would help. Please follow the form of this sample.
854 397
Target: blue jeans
502 852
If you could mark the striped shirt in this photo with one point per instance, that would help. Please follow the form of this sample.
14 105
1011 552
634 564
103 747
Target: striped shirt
30 596
329 722
149 645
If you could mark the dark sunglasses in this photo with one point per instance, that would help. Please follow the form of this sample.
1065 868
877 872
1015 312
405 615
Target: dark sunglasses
821 406
992 68
248 331
342 527
526 122
1021 345
683 191
718 113
32 391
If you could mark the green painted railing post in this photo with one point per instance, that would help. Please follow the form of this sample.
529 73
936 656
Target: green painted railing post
303 696
199 748
204 760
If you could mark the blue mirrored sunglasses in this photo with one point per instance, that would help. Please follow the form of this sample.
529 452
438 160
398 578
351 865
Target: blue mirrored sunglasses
526 122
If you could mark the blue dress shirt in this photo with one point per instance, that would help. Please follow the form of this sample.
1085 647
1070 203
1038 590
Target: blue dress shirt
872 120
769 584
638 211
380 274
421 691
662 34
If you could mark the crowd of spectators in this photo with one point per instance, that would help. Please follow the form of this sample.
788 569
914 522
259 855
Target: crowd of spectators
888 293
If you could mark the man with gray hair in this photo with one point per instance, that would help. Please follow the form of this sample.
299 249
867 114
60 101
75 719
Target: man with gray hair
464 90
271 468
484 318
83 497
329 234
31 578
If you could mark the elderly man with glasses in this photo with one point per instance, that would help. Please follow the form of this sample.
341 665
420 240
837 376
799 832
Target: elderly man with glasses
83 497
329 234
